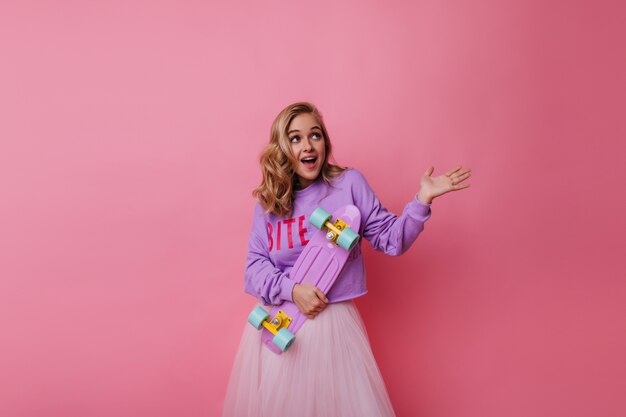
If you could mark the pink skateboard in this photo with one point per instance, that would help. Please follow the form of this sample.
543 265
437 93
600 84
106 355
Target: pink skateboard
319 264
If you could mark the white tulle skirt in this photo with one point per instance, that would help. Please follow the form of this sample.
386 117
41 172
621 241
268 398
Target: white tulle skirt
329 371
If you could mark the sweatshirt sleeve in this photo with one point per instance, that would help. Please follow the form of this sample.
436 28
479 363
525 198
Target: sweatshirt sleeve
261 278
387 232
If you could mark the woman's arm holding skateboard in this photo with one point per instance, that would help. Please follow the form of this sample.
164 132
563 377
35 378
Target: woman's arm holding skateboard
261 278
271 285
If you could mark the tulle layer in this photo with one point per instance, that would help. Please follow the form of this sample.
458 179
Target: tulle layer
330 371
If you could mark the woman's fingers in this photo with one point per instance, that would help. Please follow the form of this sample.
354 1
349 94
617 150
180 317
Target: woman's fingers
317 308
457 187
457 178
458 170
452 171
319 304
320 294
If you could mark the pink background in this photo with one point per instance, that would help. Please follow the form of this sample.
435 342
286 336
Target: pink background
130 132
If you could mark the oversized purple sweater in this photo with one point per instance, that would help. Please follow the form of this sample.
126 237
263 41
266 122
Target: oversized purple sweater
276 242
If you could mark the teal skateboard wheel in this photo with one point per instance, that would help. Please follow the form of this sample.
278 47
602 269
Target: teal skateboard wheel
257 317
348 239
284 339
319 218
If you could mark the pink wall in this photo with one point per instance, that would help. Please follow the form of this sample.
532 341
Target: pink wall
130 132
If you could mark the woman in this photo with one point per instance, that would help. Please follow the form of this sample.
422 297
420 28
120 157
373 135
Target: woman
330 370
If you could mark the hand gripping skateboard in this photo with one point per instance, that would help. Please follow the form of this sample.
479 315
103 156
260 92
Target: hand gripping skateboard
319 264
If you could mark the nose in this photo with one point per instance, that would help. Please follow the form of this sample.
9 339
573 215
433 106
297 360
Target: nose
306 144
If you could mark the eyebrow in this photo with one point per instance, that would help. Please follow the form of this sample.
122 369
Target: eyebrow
296 130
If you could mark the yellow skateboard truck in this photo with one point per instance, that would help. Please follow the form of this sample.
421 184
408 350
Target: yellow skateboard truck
338 232
283 338
280 321
334 230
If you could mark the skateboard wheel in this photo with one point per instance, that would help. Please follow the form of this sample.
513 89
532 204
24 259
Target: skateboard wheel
257 317
284 339
319 218
348 239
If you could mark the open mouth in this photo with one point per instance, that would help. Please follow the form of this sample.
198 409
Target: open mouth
309 161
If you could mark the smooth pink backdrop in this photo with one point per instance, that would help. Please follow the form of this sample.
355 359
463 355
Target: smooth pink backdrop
130 132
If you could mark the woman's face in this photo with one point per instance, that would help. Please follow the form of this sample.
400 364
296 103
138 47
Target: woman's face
307 144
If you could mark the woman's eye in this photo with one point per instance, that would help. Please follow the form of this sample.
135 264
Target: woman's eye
315 136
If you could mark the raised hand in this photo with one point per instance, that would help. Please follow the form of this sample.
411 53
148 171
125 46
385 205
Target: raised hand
432 187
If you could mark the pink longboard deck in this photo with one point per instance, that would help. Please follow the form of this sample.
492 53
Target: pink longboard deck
319 264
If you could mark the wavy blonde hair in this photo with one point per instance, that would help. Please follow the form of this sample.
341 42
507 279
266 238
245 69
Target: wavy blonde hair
276 192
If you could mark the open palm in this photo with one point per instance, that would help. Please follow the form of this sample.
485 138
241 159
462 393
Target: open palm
431 187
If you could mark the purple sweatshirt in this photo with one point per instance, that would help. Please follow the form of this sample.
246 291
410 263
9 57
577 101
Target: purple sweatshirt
276 242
